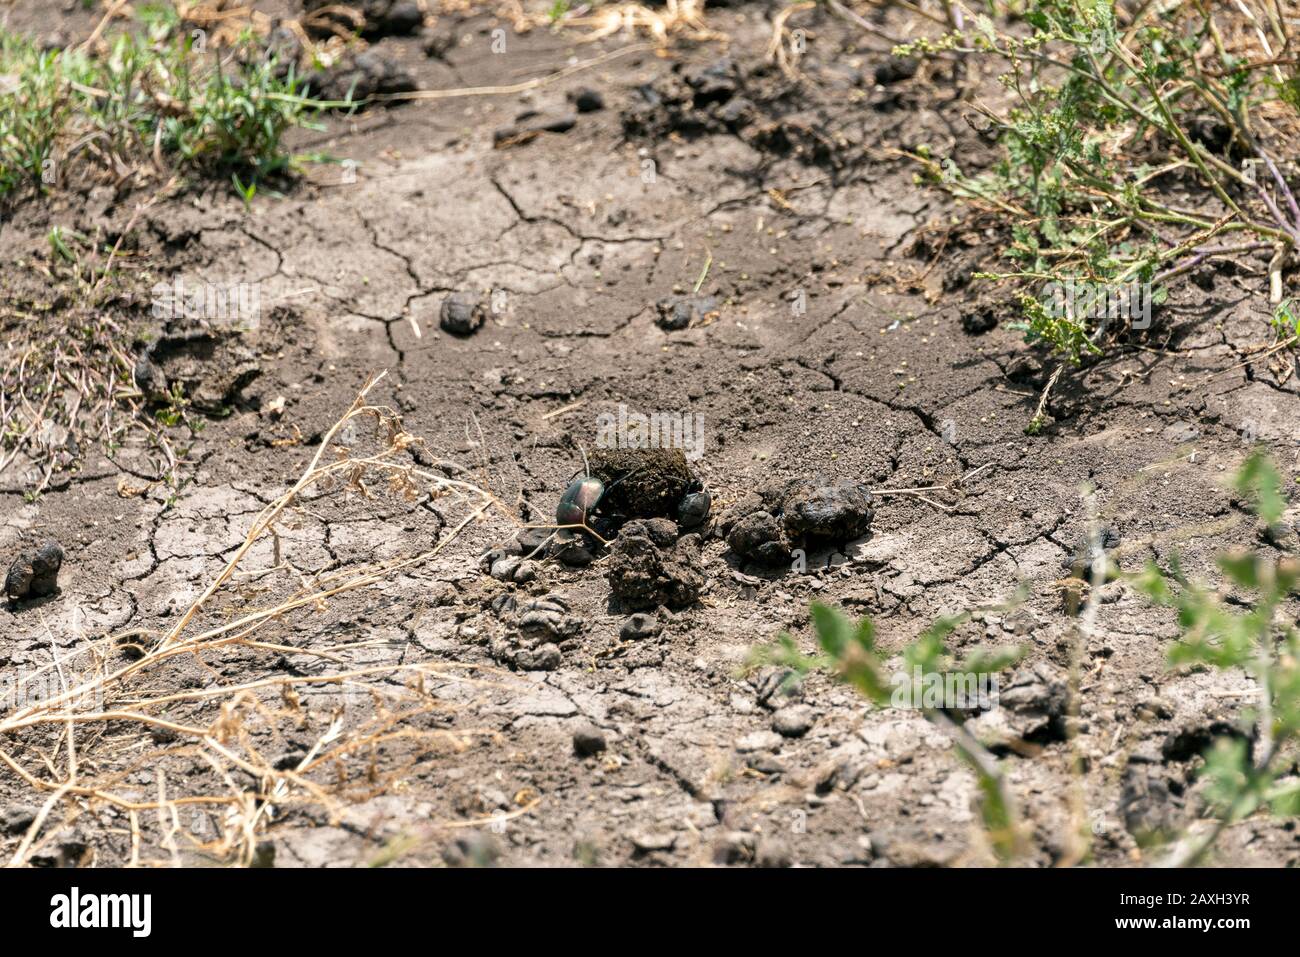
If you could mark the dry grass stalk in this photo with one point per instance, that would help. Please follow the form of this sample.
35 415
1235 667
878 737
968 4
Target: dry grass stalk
684 18
785 54
79 749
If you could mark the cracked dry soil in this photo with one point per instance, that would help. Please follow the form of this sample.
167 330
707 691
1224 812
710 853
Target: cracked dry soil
646 743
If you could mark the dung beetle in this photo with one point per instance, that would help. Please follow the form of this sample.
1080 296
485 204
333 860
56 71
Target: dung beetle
576 509
579 500
694 509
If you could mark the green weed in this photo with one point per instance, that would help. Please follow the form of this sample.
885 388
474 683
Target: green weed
1257 635
849 652
1108 109
149 94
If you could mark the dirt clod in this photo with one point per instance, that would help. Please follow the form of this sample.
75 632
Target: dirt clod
588 740
775 686
895 69
682 312
1283 534
642 482
979 319
639 627
571 549
472 849
1088 552
462 313
1031 707
914 847
211 367
35 574
764 527
734 847
545 657
378 18
150 379
1194 735
534 632
587 100
654 841
838 512
645 571
548 618
1027 369
68 847
1150 810
715 83
772 852
358 78
512 568
793 721
761 538
17 818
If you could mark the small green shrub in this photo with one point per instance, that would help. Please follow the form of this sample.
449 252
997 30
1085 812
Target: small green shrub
1257 636
849 652
1106 113
225 113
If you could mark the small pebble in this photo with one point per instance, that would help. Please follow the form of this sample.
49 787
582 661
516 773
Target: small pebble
793 721
462 314
588 740
639 626
587 100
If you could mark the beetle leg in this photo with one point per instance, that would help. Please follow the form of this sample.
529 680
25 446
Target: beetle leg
622 478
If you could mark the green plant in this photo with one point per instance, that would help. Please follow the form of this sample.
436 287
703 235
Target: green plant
144 98
150 93
1109 107
246 191
1259 636
1286 319
849 652
59 246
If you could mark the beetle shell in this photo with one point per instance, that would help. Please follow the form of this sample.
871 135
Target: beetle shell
579 500
694 509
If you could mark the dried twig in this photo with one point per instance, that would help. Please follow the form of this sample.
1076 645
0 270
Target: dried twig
214 724
957 485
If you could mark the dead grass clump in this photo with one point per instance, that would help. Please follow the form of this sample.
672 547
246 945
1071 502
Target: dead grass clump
677 18
162 731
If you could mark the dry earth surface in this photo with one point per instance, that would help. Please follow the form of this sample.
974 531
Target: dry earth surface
841 346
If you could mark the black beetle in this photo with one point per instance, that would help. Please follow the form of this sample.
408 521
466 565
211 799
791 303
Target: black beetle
579 500
694 509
